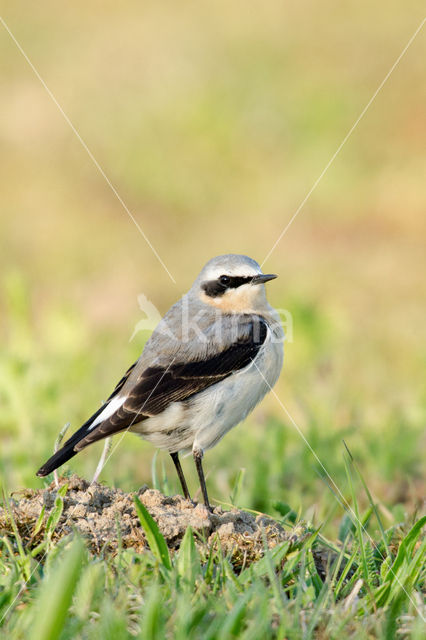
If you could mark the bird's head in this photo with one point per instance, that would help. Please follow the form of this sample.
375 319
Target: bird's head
232 284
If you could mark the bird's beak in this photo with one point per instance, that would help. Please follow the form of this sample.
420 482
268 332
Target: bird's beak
264 277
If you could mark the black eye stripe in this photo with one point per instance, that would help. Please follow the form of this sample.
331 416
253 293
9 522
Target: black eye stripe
215 288
236 281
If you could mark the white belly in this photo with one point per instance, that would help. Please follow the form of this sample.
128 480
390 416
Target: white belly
203 420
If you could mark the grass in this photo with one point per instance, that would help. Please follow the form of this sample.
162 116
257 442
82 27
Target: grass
213 124
362 587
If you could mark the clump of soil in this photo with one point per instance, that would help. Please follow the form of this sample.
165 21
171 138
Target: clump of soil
106 518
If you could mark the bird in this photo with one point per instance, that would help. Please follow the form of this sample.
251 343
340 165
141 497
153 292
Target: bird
211 359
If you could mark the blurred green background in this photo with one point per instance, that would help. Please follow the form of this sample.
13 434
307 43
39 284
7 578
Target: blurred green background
213 121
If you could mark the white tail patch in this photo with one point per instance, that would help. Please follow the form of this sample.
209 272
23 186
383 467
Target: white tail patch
110 408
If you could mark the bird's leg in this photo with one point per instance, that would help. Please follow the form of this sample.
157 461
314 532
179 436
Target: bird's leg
175 458
198 456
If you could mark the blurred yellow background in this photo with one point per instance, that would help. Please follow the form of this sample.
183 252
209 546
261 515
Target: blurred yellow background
213 121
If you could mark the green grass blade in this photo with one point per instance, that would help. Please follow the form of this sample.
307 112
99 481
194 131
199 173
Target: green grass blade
371 501
55 595
153 620
156 542
234 621
405 548
188 561
55 514
358 526
236 491
154 474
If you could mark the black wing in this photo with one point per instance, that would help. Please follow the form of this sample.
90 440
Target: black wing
160 386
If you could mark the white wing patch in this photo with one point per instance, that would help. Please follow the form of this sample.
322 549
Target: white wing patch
110 408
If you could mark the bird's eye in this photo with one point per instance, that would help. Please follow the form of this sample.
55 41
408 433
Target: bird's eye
225 280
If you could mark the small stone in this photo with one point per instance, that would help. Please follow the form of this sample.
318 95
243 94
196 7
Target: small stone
142 490
226 529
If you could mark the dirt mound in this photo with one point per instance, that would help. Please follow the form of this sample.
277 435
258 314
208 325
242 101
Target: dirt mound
107 518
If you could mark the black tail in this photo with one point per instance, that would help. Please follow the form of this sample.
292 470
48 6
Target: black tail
57 460
68 450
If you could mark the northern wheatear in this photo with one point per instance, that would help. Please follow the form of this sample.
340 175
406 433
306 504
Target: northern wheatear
211 359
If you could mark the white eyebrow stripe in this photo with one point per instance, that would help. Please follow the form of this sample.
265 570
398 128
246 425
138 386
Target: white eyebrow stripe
110 408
